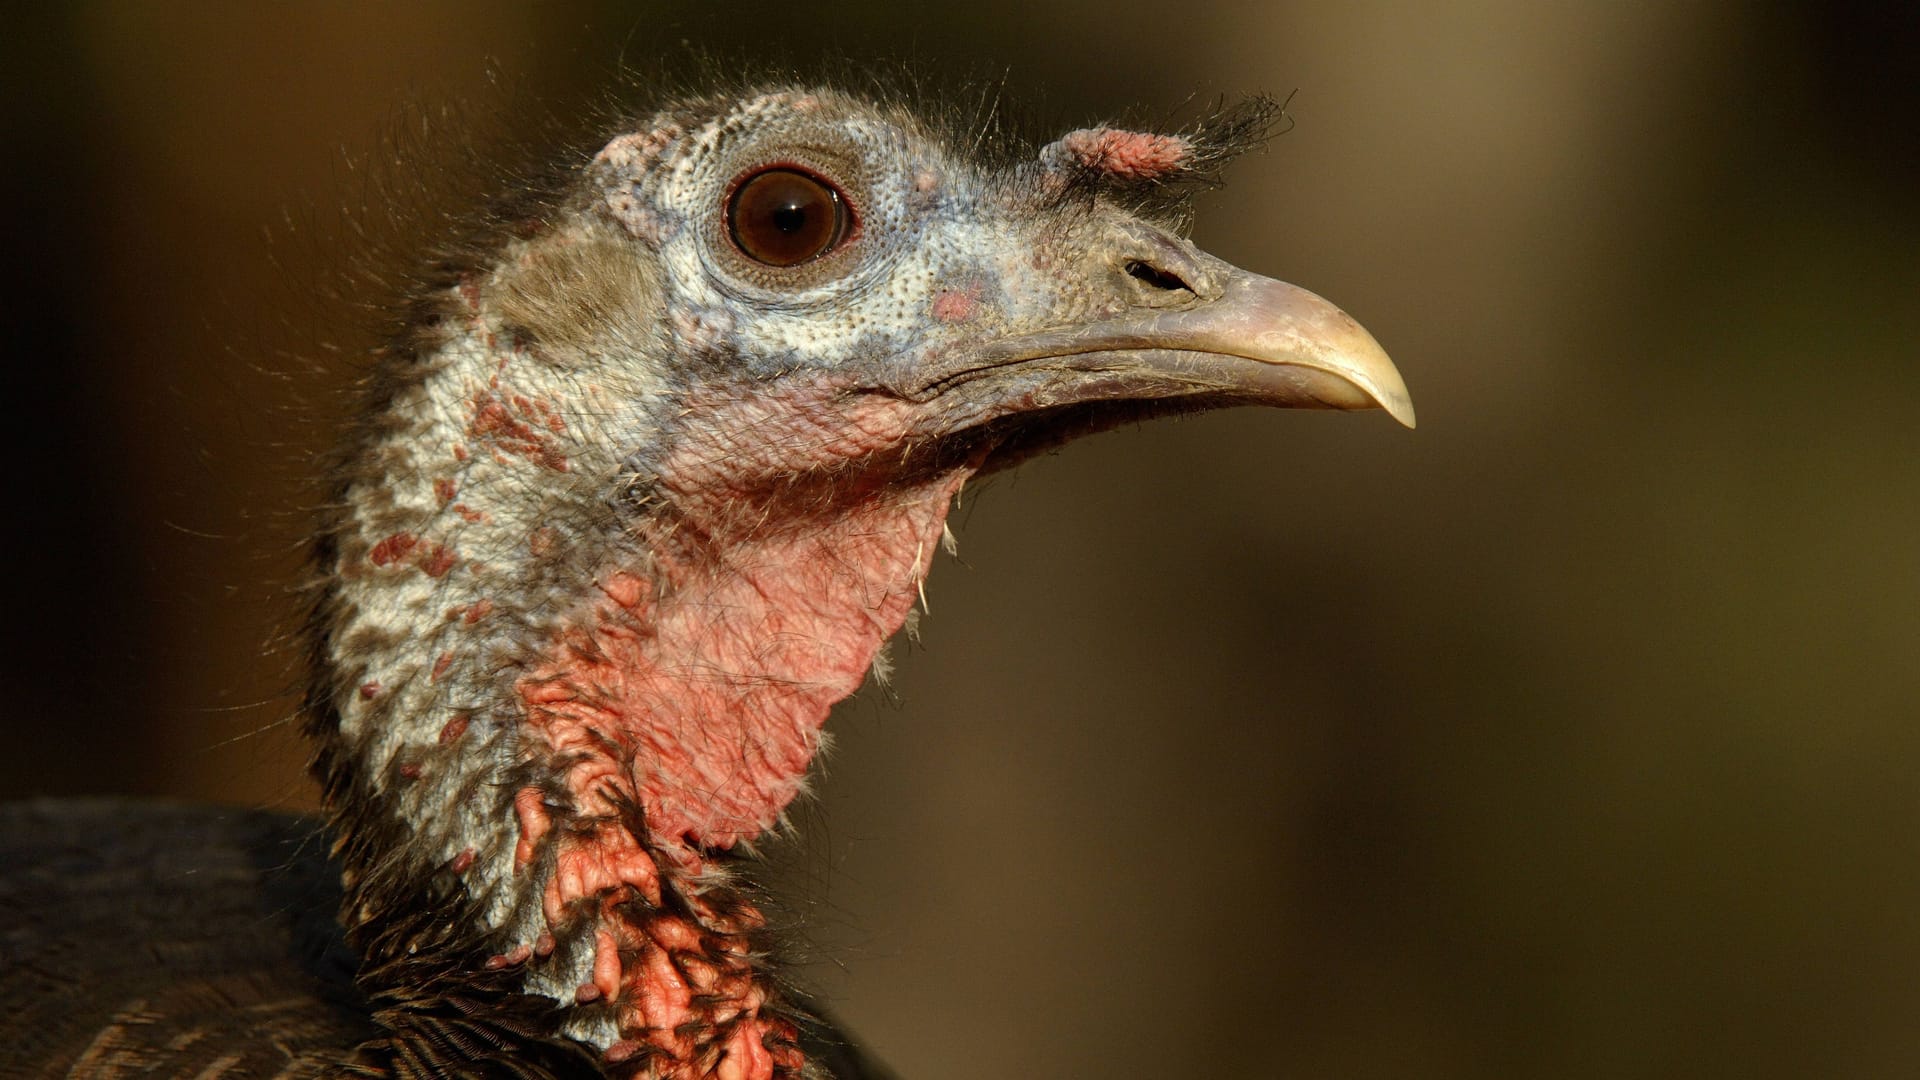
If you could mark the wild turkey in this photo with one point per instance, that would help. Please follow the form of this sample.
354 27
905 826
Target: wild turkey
645 493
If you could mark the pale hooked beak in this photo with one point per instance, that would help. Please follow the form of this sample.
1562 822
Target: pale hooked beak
1249 339
1318 355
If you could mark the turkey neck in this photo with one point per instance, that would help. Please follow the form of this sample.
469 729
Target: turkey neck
577 644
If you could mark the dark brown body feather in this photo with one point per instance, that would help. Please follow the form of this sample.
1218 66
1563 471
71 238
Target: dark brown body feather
156 940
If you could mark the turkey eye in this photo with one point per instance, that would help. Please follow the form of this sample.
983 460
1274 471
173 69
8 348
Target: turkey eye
782 217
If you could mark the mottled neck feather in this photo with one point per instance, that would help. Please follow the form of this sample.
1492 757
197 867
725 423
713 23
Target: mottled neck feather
580 639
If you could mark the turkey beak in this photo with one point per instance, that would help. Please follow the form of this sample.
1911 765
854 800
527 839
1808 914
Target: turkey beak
1210 331
1304 352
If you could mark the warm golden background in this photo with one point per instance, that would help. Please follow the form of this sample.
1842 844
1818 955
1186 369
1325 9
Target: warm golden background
1572 735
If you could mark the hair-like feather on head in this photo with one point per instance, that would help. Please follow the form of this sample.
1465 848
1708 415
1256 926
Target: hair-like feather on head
1153 175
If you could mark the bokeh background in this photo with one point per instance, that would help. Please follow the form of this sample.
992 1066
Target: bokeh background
1572 735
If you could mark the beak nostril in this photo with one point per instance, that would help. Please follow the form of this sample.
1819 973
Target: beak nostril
1158 277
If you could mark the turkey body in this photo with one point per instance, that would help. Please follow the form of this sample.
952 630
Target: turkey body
171 940
149 939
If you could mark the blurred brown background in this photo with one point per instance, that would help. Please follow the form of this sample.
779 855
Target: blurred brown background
1572 735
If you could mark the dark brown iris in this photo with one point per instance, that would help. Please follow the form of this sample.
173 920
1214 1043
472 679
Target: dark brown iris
783 217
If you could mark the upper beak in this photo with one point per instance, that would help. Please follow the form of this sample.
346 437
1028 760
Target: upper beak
1251 339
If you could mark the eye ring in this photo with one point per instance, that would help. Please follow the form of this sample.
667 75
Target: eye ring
783 216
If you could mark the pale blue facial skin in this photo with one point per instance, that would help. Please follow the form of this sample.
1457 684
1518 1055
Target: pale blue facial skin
977 292
943 252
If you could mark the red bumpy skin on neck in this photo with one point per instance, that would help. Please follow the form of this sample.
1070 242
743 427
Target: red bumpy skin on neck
695 689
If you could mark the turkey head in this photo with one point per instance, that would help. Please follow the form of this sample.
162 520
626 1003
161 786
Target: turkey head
651 486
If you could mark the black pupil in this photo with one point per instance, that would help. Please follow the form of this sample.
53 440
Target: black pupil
790 218
783 217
